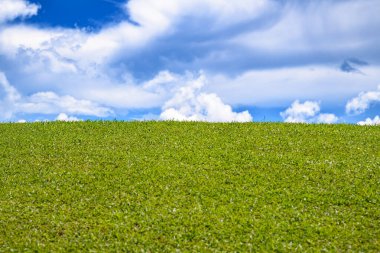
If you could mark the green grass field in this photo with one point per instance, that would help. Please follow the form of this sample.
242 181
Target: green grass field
199 187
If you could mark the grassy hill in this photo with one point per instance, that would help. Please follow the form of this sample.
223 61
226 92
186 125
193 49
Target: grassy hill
170 186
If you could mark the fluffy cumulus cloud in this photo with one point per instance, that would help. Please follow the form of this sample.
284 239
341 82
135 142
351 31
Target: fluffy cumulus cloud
191 104
65 117
327 118
307 112
11 9
363 101
370 122
300 112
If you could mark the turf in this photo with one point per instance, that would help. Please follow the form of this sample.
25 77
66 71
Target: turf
199 187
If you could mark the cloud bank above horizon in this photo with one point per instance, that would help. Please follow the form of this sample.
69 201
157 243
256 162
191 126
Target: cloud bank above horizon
192 60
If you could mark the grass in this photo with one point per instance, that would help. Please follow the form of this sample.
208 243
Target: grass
169 186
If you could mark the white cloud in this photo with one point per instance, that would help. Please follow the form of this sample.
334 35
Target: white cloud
370 122
190 104
220 13
125 92
327 118
12 103
82 64
8 97
49 60
11 9
10 93
162 80
45 53
300 112
50 103
64 42
307 112
318 26
155 19
125 96
277 87
65 117
363 101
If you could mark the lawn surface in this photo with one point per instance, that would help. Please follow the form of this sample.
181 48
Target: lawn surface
199 187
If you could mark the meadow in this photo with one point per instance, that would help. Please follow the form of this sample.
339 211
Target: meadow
189 187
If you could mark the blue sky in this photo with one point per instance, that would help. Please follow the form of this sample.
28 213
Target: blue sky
208 60
77 14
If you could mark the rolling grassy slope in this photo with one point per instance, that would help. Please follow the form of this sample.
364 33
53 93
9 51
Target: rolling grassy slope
167 186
